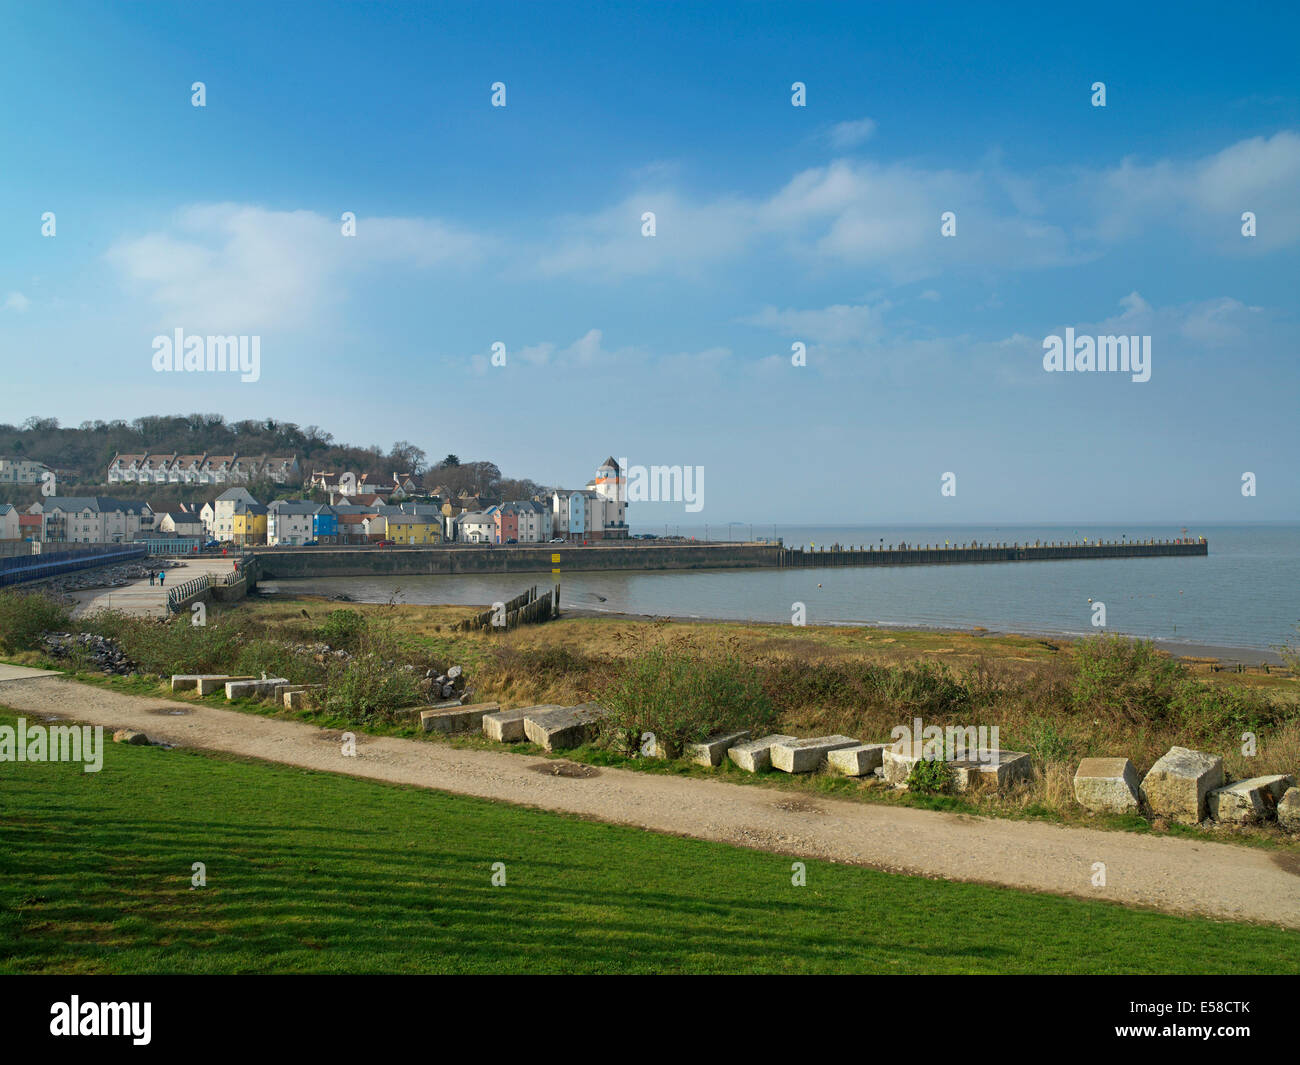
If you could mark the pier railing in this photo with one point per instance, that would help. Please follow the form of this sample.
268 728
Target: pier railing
905 554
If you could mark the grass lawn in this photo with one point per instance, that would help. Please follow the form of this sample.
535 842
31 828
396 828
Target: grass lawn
310 872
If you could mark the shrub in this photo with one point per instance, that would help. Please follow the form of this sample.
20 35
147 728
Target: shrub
173 645
25 615
681 695
1125 677
930 776
373 683
1048 743
342 628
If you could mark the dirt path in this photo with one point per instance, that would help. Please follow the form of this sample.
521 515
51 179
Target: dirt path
1179 875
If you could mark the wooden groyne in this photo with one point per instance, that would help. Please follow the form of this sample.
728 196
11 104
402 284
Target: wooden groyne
939 554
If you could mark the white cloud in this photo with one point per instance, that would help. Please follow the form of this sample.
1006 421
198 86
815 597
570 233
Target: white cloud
16 301
886 216
845 135
236 268
1207 195
838 324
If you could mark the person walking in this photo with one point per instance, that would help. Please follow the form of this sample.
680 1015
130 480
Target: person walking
151 576
162 577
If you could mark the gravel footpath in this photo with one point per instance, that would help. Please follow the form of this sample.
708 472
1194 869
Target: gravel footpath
1178 875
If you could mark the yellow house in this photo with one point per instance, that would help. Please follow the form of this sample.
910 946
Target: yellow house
248 524
414 529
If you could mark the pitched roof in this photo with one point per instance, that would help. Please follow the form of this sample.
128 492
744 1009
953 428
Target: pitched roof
97 504
241 494
292 506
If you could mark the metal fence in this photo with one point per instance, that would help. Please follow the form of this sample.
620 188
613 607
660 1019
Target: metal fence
14 569
179 596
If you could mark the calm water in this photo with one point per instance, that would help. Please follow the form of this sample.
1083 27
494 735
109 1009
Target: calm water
1245 594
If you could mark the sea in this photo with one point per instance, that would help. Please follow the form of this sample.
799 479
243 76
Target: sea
1245 595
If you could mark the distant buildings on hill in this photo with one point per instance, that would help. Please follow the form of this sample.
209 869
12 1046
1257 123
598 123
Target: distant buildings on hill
355 514
204 469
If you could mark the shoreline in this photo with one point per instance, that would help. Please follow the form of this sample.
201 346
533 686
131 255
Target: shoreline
1189 649
1247 656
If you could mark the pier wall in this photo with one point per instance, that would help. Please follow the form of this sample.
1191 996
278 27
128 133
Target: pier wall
287 563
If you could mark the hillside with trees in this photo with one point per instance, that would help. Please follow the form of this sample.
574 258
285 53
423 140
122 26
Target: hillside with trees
82 456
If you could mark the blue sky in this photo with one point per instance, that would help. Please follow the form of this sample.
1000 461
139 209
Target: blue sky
774 224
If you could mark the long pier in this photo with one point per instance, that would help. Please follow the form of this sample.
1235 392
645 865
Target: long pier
936 554
364 561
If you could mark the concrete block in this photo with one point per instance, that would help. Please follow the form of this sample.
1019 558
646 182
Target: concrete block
304 698
858 761
1179 784
252 689
897 764
571 726
456 718
993 770
1248 802
714 749
208 685
803 756
507 726
131 736
184 682
756 754
1288 810
1107 785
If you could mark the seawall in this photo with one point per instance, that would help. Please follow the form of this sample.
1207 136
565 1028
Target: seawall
290 562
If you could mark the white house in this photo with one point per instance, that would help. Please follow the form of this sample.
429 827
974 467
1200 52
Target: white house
182 522
475 527
150 468
221 524
290 522
597 512
21 471
92 519
9 528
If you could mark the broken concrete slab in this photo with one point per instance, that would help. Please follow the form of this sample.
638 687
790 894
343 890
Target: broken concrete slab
897 762
803 756
216 683
756 755
1248 802
1107 785
507 726
456 718
305 698
1178 785
253 689
131 736
278 692
859 761
714 749
183 682
1288 810
570 726
994 770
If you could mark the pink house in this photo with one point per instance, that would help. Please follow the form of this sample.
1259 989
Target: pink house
507 523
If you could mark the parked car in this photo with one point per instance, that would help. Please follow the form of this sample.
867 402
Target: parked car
384 543
512 540
211 544
558 540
